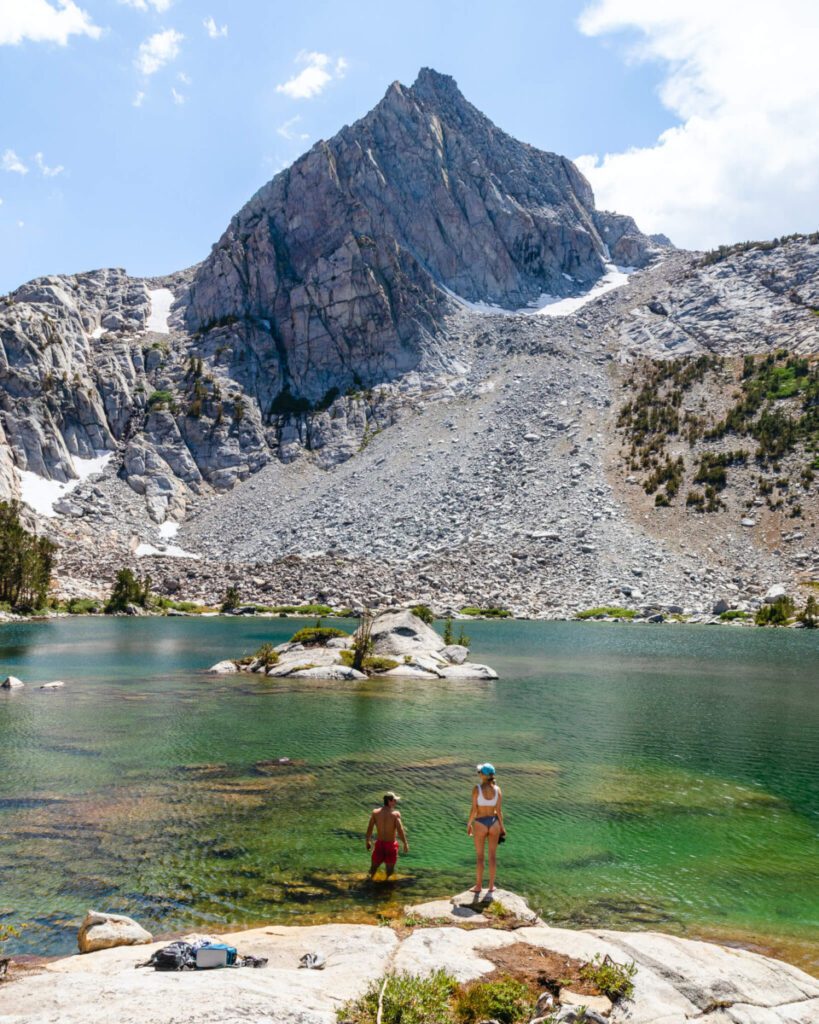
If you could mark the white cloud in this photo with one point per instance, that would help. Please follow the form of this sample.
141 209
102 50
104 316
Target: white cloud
138 100
318 72
41 22
158 50
287 130
21 223
742 80
45 170
214 30
184 78
178 98
143 5
11 162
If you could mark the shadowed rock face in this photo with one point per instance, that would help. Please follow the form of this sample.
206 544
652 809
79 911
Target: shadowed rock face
339 259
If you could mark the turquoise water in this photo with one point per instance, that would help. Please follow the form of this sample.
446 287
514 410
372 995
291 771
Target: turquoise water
661 777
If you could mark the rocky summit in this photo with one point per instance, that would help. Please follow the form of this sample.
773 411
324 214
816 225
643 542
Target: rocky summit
420 365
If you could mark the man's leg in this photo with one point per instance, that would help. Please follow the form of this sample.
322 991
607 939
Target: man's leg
377 859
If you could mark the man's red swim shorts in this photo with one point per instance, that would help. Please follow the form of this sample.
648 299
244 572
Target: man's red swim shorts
385 853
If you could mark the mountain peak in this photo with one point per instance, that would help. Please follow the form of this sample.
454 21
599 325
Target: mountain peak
349 256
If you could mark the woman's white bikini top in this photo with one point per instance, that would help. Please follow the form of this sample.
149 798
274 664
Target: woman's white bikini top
492 802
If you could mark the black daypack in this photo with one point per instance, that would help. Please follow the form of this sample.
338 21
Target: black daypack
179 956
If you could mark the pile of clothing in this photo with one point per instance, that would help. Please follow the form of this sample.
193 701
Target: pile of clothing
199 956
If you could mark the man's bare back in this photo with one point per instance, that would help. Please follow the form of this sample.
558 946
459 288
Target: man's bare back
387 822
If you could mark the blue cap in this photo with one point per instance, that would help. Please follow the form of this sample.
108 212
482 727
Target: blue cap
486 769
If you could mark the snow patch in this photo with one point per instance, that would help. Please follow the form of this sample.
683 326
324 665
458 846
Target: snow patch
168 530
98 332
40 493
550 305
161 302
145 550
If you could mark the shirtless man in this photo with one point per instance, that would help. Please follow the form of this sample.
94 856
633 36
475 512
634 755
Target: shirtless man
387 823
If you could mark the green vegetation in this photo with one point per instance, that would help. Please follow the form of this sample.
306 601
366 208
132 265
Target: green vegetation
438 999
612 611
363 640
159 399
404 999
25 561
775 404
231 600
83 606
733 614
612 978
724 251
128 590
507 1001
316 636
424 613
809 616
448 635
487 613
778 613
371 664
267 655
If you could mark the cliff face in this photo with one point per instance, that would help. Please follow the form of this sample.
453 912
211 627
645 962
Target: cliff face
341 258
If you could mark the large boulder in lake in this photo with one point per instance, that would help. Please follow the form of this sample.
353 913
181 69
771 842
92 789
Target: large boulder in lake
103 931
399 633
12 683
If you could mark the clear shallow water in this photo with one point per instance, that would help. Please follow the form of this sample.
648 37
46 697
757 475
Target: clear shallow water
661 777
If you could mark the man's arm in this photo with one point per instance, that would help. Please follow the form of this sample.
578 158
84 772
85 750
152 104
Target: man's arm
399 828
370 827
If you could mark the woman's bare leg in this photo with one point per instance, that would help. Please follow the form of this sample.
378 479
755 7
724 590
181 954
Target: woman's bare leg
479 835
494 837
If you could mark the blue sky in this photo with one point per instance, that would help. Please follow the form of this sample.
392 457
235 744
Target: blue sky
143 125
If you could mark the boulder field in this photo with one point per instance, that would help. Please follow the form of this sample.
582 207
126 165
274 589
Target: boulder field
677 980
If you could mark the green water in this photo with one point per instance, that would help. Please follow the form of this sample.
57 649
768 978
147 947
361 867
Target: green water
662 777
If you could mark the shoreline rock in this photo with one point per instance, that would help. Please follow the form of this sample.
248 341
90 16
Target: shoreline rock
677 980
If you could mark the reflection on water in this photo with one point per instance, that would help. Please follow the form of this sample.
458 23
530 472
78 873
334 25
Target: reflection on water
653 777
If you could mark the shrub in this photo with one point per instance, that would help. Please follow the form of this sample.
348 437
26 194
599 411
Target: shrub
406 999
732 614
159 399
372 665
424 613
448 637
312 609
316 636
775 614
613 979
25 561
810 614
362 640
82 606
611 610
506 1001
487 613
128 589
230 602
268 655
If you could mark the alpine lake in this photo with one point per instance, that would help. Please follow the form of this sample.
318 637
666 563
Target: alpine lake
654 777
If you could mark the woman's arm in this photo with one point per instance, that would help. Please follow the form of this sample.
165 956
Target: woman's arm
500 812
473 812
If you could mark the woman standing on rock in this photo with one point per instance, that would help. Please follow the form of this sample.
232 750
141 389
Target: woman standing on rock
486 822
